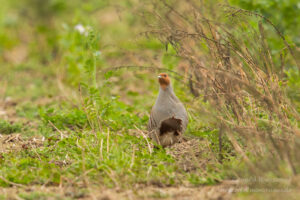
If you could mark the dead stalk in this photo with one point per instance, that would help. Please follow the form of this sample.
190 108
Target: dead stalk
61 133
12 183
101 149
132 157
145 137
107 142
236 73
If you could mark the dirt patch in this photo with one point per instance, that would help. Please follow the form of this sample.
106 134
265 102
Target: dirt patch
223 191
15 142
17 55
192 154
7 109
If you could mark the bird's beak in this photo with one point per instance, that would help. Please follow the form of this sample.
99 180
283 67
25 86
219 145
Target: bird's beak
159 76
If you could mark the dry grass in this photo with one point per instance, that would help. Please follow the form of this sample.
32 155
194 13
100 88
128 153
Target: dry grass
231 66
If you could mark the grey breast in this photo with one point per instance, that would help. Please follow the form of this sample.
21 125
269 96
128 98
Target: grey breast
167 106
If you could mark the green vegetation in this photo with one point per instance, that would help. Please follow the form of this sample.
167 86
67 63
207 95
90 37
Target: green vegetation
8 128
72 120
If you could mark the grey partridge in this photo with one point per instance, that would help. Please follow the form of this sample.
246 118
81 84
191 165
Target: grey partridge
168 119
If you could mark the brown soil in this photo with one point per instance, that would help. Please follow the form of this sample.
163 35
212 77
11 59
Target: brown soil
222 191
188 153
15 142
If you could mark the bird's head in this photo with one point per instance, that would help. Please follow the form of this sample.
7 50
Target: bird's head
163 80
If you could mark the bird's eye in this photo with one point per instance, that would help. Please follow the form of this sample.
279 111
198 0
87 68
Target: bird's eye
165 75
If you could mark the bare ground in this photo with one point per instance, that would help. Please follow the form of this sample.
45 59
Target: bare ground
222 191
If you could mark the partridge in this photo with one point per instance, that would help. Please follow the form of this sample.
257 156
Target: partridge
168 119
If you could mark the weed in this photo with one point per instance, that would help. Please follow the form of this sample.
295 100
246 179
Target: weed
64 119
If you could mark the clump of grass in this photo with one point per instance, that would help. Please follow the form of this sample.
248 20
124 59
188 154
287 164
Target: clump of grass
9 127
63 119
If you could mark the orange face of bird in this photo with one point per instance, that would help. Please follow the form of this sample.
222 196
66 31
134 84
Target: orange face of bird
163 80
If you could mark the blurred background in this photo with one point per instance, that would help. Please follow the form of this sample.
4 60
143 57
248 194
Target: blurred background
77 66
40 38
